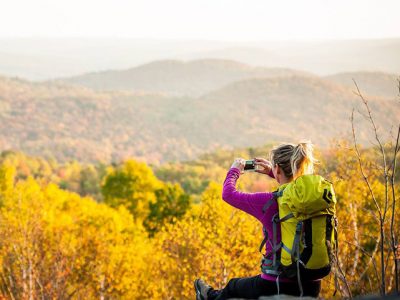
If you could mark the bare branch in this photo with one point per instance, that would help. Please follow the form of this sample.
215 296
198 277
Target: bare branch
388 255
371 212
371 260
356 239
361 234
386 180
398 86
342 276
382 149
10 293
392 221
362 169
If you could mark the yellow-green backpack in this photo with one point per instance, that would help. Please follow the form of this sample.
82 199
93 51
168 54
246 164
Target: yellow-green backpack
307 218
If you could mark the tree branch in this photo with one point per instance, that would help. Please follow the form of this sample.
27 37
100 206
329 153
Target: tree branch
392 221
362 169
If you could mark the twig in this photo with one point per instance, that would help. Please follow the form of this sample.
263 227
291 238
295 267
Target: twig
342 277
362 169
356 239
361 234
398 86
369 255
371 212
392 221
371 258
11 294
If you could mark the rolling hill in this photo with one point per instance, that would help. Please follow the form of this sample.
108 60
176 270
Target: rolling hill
65 122
372 83
177 78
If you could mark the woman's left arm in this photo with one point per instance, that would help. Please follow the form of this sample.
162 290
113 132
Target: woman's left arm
252 203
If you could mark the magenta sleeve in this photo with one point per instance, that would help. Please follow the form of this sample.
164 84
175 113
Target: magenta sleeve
251 203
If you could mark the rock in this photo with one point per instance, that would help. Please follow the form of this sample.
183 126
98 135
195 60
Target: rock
277 297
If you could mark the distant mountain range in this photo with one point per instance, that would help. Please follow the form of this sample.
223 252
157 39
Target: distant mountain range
44 59
178 78
143 119
372 83
319 57
195 78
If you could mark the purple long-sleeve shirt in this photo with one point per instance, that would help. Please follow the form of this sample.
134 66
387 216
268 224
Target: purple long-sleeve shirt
253 203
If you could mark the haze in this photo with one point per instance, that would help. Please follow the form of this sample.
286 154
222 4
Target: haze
206 20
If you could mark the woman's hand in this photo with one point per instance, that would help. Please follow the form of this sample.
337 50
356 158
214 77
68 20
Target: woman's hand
239 164
265 166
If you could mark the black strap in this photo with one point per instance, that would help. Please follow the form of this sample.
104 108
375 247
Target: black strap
278 193
328 236
336 236
336 252
307 236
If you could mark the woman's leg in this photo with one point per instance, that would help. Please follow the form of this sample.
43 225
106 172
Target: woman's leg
246 288
310 288
254 287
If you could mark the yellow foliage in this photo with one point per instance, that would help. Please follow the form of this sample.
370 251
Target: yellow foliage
56 244
213 241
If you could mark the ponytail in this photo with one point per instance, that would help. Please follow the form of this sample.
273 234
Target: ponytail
294 160
302 160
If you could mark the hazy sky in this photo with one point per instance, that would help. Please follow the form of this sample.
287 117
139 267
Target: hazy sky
202 19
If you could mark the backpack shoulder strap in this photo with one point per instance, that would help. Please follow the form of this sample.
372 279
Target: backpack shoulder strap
267 204
276 195
264 241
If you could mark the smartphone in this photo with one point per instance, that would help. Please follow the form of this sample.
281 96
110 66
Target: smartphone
250 165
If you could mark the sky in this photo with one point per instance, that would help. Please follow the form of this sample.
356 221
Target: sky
225 20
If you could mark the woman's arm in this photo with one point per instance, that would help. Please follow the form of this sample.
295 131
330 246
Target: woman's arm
252 203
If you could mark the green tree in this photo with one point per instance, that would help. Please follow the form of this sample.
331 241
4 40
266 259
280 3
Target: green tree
171 204
132 185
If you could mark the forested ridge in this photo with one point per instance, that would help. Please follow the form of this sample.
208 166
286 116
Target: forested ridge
63 121
178 78
135 231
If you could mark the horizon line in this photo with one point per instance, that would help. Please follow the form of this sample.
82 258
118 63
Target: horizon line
316 39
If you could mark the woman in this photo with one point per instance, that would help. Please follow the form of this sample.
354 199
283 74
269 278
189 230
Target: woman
288 162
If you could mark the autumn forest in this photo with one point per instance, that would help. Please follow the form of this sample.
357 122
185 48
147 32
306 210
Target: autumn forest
135 231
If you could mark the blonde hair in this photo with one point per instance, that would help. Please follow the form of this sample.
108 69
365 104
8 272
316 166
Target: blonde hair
294 160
